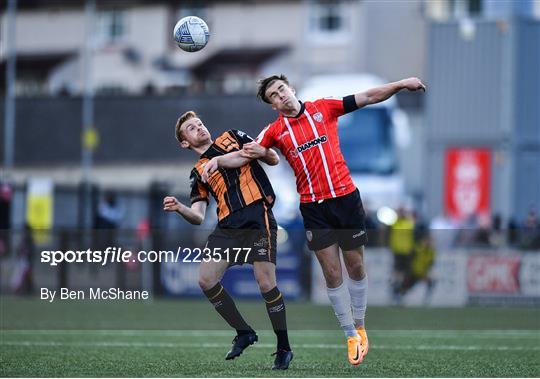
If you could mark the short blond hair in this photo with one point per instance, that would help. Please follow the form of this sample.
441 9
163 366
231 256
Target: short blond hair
186 116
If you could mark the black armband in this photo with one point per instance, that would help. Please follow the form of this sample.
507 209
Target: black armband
349 104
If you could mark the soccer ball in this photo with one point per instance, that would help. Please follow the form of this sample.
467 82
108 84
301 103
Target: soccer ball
191 34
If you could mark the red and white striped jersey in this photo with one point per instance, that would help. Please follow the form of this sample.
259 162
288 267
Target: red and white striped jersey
310 143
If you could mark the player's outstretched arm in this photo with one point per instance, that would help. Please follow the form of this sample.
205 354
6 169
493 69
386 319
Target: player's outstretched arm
378 94
230 160
194 215
239 158
253 150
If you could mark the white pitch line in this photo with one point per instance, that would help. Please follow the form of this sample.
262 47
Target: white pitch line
265 345
426 334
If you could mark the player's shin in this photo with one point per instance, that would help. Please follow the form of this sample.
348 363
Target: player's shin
358 292
275 306
225 306
341 303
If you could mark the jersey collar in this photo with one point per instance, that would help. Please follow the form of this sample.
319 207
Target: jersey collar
300 112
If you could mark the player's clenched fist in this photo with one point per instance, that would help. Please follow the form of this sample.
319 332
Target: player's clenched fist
171 204
253 150
413 84
209 168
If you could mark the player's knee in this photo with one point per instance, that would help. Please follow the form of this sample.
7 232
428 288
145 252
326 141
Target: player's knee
265 282
356 270
206 282
333 277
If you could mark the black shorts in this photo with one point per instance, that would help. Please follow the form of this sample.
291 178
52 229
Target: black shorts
246 236
340 220
402 262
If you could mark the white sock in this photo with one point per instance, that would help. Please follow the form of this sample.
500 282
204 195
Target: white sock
341 302
358 292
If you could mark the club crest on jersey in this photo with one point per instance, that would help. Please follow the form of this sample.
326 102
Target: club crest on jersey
293 153
318 117
314 142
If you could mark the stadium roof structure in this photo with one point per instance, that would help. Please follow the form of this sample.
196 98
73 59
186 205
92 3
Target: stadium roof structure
39 64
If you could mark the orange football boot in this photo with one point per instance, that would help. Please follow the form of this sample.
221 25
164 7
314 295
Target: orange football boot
354 350
364 342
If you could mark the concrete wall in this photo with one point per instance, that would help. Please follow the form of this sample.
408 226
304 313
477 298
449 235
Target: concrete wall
131 129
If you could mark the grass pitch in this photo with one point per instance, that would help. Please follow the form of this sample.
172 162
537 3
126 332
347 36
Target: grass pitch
187 338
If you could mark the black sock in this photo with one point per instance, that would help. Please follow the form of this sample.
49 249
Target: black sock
224 305
275 306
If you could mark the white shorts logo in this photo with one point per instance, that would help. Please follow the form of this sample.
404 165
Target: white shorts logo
358 234
309 235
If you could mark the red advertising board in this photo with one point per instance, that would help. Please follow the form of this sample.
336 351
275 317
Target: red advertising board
493 275
467 182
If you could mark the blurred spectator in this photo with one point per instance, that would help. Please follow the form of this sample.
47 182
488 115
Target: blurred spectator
5 217
401 244
106 222
513 232
466 235
22 280
530 233
109 213
482 235
375 232
496 238
422 261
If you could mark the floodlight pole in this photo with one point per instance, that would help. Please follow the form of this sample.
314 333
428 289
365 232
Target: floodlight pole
9 108
87 112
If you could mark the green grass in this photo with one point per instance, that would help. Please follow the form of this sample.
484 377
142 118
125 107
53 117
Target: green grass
186 338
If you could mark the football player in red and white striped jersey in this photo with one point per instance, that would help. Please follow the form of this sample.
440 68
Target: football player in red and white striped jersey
306 133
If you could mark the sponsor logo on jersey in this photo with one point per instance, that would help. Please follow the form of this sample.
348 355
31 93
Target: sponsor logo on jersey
314 142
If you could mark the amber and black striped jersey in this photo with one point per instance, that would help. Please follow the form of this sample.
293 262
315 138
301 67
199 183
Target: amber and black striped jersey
232 189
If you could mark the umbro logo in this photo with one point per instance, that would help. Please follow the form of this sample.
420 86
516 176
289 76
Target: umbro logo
262 251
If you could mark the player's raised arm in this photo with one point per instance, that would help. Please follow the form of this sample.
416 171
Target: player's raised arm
194 215
378 94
